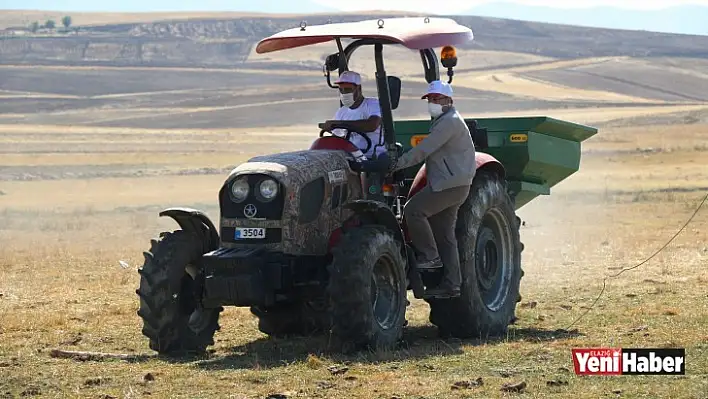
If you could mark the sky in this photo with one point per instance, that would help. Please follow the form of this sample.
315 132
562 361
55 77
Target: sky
684 16
458 6
450 6
267 6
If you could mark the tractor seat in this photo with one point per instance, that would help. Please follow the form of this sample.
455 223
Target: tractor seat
333 143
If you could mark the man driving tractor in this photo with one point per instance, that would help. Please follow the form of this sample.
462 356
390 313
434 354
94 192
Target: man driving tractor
359 114
306 249
431 214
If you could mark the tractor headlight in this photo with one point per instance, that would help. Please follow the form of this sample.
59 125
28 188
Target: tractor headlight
239 190
268 189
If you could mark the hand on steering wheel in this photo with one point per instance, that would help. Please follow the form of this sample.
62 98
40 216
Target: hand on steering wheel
369 144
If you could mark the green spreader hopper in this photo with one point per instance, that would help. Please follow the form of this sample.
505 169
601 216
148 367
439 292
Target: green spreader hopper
537 152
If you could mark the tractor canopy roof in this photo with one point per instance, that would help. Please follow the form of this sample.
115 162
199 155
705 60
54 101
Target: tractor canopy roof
415 33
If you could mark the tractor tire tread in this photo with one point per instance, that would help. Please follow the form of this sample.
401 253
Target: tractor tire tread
164 323
353 324
467 316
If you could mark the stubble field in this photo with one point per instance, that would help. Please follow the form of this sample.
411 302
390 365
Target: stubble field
85 166
68 219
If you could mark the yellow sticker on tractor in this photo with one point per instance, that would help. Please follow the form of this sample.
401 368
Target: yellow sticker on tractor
519 138
415 140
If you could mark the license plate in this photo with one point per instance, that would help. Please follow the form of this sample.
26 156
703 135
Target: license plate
249 233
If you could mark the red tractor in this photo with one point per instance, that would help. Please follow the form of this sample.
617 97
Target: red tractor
314 240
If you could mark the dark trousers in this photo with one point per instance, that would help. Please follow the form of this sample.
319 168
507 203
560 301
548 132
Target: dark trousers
431 217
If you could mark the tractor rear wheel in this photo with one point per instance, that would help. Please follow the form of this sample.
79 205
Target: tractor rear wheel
367 290
173 318
490 257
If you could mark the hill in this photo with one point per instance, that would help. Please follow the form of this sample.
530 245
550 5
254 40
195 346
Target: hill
227 42
19 18
204 73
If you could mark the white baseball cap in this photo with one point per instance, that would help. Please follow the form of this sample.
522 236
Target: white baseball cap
438 87
349 77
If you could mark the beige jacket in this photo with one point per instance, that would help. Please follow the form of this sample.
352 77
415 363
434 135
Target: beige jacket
448 152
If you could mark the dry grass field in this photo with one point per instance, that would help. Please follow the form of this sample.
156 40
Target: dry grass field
68 217
90 155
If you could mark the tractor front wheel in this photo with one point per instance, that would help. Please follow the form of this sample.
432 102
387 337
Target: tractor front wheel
367 290
490 257
173 318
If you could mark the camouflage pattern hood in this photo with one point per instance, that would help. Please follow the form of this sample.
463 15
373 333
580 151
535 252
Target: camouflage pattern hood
296 168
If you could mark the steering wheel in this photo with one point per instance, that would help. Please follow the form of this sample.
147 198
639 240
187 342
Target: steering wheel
369 144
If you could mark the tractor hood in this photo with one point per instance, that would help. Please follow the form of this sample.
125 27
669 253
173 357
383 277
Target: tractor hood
301 226
293 169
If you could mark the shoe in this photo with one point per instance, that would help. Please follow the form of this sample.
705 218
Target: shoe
429 264
442 291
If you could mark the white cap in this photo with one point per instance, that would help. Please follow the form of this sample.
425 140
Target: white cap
439 87
349 77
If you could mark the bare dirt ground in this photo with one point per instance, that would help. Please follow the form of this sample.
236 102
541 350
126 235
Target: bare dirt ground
89 156
647 79
68 217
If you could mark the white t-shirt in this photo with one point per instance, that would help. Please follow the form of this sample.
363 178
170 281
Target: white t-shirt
369 107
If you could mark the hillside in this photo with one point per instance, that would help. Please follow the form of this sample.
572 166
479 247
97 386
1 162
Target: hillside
228 42
204 73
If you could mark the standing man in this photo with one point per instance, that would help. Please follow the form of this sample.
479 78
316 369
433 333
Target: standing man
361 114
431 214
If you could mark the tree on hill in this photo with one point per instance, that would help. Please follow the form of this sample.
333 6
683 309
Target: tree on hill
50 24
66 21
34 26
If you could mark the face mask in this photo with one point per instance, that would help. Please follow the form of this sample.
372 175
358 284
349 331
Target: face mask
435 109
347 99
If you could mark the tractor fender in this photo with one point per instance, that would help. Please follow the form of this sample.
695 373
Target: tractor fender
487 162
197 222
381 214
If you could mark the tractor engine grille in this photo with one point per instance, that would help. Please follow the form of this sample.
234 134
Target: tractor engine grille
270 210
